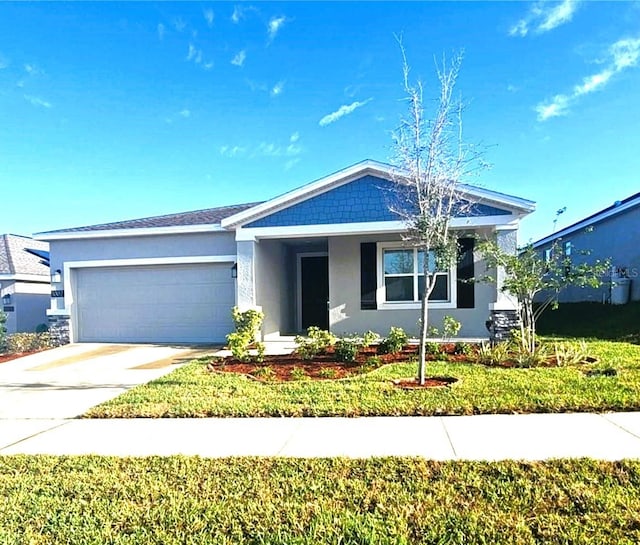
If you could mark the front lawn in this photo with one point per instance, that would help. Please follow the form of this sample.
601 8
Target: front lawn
188 500
192 391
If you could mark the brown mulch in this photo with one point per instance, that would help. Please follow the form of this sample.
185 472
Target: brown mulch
430 382
8 357
322 366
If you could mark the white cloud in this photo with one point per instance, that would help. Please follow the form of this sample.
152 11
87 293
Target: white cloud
277 89
208 17
179 24
237 15
232 151
194 54
185 113
345 109
512 88
274 26
32 70
161 31
37 101
291 163
623 54
239 58
554 108
545 16
290 150
207 65
591 83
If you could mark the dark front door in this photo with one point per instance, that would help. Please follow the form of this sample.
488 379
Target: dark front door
314 283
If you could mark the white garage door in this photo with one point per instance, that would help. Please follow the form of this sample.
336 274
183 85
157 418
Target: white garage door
155 304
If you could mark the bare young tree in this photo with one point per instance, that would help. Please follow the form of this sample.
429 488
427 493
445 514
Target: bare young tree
432 161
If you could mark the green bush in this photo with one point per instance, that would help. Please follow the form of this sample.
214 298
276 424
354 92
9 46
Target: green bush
316 342
450 327
433 348
369 337
298 373
394 342
17 343
247 327
264 373
3 331
346 349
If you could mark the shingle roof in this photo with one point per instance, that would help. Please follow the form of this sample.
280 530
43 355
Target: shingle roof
208 216
617 207
19 255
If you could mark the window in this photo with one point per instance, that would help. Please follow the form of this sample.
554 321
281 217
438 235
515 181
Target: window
547 255
402 278
567 249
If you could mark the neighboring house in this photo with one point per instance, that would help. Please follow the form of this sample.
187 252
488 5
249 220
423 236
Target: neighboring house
612 233
328 254
25 289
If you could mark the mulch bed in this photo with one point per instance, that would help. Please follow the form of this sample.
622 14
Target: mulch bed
283 368
8 357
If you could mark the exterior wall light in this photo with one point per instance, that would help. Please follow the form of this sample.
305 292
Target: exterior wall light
56 276
234 271
6 299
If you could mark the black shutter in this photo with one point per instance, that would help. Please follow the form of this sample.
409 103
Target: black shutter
368 280
466 286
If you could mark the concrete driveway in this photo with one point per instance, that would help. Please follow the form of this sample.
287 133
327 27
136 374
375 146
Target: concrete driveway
66 381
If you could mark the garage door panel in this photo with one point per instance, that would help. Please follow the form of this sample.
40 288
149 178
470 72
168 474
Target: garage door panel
168 303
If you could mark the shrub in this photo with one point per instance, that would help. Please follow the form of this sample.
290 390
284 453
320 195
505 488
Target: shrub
492 355
369 338
298 373
463 348
373 362
316 342
264 373
347 349
394 342
26 342
570 353
433 348
247 326
3 331
450 327
327 372
42 328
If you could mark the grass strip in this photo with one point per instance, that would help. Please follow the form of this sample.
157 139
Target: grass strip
188 500
192 391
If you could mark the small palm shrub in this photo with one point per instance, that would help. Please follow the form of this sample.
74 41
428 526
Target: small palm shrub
394 342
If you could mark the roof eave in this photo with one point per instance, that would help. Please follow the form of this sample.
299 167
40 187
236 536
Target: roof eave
130 232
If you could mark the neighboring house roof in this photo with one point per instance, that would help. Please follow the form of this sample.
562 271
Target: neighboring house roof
23 256
616 208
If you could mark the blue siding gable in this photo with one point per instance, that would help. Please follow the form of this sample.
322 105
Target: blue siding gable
363 200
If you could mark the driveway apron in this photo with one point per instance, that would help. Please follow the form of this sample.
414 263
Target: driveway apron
67 381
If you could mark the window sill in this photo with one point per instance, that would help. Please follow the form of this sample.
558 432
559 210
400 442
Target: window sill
415 305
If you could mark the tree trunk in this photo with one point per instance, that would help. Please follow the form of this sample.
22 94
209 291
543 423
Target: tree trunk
424 325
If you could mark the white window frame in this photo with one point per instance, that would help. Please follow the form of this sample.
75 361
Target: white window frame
382 304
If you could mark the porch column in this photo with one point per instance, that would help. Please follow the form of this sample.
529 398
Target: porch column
504 310
246 284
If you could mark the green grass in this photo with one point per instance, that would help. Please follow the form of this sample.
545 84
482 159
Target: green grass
188 500
593 320
192 391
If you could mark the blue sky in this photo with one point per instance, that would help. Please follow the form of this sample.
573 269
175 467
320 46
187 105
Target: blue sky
111 111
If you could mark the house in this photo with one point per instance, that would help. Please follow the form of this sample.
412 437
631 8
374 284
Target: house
25 290
612 233
328 254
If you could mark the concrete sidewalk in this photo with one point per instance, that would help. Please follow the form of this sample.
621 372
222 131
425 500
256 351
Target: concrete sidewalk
610 436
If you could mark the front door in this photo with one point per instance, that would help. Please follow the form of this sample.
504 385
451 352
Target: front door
314 291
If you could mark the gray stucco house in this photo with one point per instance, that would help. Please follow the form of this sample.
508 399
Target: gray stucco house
24 282
612 233
328 254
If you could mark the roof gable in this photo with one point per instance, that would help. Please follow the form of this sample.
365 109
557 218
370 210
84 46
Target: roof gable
365 199
360 193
